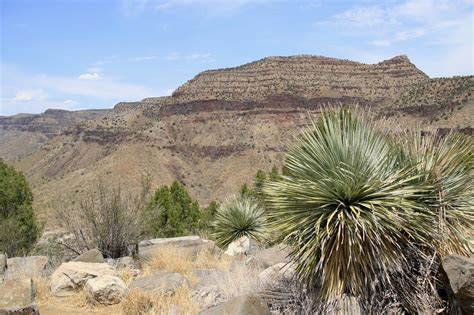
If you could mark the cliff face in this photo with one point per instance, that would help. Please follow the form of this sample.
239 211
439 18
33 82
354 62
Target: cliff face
306 76
218 129
23 133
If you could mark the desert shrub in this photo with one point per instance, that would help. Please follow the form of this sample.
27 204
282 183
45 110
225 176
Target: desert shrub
350 211
172 212
108 219
237 217
19 229
446 165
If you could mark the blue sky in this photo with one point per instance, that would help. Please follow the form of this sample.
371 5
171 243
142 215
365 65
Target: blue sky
78 54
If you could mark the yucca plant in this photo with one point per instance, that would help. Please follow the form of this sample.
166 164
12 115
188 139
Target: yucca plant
446 164
237 217
347 207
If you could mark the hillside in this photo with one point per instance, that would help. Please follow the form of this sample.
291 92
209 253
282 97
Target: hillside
23 133
219 128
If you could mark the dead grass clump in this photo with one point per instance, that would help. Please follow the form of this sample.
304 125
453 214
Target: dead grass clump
139 302
127 275
241 281
43 294
180 261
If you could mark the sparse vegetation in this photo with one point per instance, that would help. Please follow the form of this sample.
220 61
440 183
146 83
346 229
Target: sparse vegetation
108 219
360 220
237 217
19 228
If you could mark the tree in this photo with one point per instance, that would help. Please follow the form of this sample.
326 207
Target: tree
172 212
19 229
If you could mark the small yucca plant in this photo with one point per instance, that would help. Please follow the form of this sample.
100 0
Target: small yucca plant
237 217
446 164
347 207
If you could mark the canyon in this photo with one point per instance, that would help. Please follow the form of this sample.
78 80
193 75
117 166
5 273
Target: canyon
216 130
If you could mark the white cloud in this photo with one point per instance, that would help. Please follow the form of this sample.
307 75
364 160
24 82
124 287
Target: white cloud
441 28
361 16
90 76
29 95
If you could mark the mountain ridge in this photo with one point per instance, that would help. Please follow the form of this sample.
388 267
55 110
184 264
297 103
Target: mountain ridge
213 142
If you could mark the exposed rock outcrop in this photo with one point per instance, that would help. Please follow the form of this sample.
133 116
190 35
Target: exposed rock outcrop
72 276
106 289
460 273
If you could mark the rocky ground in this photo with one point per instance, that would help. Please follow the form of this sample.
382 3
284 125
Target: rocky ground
183 275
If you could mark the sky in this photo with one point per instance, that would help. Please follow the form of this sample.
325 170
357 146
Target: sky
81 54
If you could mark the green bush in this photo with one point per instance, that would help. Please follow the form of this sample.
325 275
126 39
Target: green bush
237 217
446 165
368 213
172 212
19 229
346 206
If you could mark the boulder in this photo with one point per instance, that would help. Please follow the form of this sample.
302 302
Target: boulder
242 246
459 271
185 245
3 265
161 282
271 256
209 277
106 289
71 276
208 296
26 267
278 272
173 241
242 305
17 297
91 256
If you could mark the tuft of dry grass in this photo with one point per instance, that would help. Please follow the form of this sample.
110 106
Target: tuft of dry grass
139 302
183 262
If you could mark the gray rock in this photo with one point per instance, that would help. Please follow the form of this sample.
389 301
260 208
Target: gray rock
73 275
3 265
209 277
91 256
271 256
188 245
208 296
161 282
242 246
460 273
26 267
242 305
173 241
281 271
18 297
106 289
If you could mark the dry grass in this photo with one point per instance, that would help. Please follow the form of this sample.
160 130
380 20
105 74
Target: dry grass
78 300
180 261
139 302
126 275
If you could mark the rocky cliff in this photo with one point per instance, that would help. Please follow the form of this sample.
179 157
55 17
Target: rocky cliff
23 133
